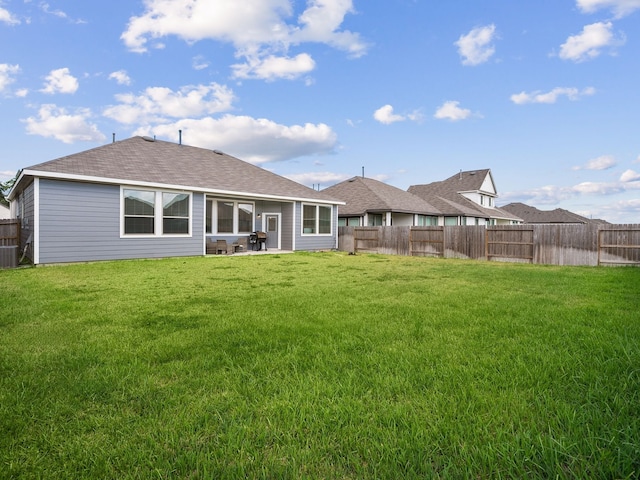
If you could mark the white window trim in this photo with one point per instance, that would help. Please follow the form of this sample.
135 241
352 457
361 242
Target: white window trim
158 214
317 232
214 215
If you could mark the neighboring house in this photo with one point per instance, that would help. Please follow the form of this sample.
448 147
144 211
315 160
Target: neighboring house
558 216
5 212
145 198
466 198
369 202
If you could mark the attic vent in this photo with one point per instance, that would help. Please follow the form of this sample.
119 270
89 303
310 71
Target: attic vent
218 152
472 173
149 139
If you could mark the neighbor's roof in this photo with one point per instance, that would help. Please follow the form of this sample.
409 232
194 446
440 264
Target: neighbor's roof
532 215
446 195
364 195
145 161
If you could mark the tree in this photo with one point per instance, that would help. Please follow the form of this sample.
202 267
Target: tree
4 189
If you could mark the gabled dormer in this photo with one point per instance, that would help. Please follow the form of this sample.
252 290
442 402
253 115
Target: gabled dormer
477 186
466 198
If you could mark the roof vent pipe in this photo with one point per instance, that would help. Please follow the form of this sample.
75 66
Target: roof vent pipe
114 138
363 172
180 137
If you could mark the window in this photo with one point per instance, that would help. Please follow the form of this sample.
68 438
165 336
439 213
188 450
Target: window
139 212
375 219
426 221
324 219
175 213
349 222
229 217
150 212
451 220
225 217
316 219
245 217
486 200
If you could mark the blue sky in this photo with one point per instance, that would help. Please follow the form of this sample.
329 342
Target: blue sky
545 93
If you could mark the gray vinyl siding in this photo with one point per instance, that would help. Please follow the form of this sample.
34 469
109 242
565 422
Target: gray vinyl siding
286 232
285 209
81 222
315 242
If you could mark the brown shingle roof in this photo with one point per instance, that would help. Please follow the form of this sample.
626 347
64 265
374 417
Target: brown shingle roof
446 195
368 195
559 215
145 160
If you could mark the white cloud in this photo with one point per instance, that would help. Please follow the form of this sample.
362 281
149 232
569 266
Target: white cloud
60 81
319 178
385 115
619 7
590 42
258 29
7 73
121 77
321 24
273 67
199 62
623 211
476 46
59 13
630 176
7 17
56 122
551 96
255 140
552 194
603 162
156 104
451 111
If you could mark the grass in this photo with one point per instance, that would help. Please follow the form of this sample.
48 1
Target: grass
319 366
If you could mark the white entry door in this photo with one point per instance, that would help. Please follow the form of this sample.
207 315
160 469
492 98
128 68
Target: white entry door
272 222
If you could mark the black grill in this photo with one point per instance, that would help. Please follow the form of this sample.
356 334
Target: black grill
258 240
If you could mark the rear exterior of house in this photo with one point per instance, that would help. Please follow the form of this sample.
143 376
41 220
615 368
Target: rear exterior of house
141 198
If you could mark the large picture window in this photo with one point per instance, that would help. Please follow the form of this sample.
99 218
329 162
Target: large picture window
316 219
230 217
225 217
150 212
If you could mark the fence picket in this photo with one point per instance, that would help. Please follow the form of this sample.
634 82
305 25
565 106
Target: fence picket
590 244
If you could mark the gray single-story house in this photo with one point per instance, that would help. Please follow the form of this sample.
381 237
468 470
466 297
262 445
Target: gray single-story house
146 198
369 202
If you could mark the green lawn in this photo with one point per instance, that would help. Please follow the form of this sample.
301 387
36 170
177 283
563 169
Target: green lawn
319 366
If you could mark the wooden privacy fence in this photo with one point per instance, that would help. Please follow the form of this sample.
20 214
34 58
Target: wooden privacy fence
540 244
9 243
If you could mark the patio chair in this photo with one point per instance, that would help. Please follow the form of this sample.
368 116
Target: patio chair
221 246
